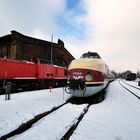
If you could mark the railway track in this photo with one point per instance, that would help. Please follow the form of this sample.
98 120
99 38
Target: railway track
131 85
69 128
2 91
27 125
74 126
132 89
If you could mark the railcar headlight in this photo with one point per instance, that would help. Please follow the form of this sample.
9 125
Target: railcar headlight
89 77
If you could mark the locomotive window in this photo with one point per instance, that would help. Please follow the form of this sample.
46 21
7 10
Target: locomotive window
90 55
42 61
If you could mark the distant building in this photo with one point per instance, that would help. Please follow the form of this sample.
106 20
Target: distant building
21 47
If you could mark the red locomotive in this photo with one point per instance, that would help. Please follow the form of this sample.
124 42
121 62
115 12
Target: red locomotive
22 69
27 62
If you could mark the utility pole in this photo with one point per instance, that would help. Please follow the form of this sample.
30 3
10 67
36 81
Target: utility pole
52 49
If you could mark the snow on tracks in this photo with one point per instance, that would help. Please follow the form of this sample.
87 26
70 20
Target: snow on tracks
132 89
116 118
55 125
24 106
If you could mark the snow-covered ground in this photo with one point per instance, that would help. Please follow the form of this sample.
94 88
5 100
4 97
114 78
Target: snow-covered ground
116 118
133 83
54 126
24 106
132 86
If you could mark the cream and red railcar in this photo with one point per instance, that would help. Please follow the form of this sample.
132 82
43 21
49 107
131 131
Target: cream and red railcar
87 75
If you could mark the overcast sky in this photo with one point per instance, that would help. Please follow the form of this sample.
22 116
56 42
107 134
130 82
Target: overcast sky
109 27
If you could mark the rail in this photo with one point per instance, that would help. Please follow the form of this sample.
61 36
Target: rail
128 89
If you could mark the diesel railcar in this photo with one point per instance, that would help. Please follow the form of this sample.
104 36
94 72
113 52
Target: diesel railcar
88 75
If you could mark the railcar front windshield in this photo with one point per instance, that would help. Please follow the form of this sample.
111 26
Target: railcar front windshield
91 55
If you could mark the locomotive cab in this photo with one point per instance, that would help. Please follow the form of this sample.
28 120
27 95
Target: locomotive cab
90 55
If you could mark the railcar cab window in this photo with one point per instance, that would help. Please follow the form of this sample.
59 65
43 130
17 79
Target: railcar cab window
90 55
